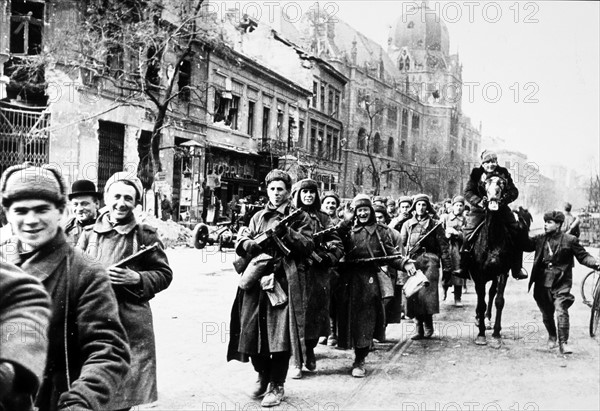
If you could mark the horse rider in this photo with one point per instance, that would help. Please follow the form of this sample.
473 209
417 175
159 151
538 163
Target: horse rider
426 237
85 202
453 224
361 316
552 275
475 194
328 250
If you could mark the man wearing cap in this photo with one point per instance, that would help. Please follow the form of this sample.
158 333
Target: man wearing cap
24 317
475 193
85 201
404 204
88 355
453 223
266 334
362 316
552 274
114 236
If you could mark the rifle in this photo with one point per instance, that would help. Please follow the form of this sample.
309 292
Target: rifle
379 260
241 263
314 256
143 250
416 245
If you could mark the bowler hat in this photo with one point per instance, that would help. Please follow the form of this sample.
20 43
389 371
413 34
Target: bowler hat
84 188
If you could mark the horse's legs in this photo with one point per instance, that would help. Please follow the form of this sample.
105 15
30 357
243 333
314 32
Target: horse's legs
499 304
490 304
480 311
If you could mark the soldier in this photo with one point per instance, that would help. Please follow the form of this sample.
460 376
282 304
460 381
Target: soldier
115 236
328 251
270 334
85 202
453 224
426 238
363 316
404 204
88 356
552 275
24 315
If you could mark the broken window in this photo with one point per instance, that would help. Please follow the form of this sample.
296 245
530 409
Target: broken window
183 82
226 109
26 27
232 116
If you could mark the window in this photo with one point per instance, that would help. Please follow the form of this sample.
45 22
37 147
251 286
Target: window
404 131
26 27
265 122
250 129
322 97
313 138
330 101
403 149
320 138
183 82
226 109
328 144
392 116
111 145
115 63
415 122
414 153
336 107
153 70
291 131
279 125
362 136
301 134
377 143
334 145
232 117
358 176
390 147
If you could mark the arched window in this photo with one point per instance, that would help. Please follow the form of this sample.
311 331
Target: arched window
403 148
407 64
390 147
360 143
400 64
358 179
377 144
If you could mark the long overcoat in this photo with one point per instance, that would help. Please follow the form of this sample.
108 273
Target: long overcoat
86 317
108 244
455 242
361 314
256 326
318 278
24 318
431 251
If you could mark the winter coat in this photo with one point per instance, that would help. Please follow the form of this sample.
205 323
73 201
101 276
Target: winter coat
83 305
394 307
24 317
108 244
318 278
428 254
73 230
475 189
361 315
256 326
564 247
455 242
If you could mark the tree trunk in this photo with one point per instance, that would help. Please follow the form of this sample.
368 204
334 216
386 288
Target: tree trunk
148 152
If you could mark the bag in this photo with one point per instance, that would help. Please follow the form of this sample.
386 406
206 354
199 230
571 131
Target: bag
414 283
258 267
386 287
274 290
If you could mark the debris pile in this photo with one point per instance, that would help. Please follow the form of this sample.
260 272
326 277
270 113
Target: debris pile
170 233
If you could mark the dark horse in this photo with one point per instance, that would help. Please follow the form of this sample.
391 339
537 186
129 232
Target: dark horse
493 250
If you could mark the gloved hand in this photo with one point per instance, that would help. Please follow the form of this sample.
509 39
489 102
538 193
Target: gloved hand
483 202
7 379
409 267
344 227
252 248
280 229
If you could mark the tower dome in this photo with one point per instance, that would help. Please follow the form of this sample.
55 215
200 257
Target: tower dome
421 28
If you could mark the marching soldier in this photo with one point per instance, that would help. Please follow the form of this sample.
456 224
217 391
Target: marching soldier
362 317
328 251
453 223
268 328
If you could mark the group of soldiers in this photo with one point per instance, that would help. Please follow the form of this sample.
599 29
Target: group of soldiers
311 268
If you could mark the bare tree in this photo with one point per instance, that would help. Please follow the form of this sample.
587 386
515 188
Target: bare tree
139 51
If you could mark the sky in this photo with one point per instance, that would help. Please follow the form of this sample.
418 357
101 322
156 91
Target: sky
533 68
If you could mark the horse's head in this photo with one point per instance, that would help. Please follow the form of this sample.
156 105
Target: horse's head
494 187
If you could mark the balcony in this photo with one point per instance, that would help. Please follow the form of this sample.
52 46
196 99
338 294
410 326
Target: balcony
275 147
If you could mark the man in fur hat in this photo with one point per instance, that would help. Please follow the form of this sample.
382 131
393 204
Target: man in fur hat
362 316
85 202
404 204
88 355
475 193
552 276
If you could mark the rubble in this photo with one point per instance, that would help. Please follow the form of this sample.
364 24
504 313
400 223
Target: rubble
170 233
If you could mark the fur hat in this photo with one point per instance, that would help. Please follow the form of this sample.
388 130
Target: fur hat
26 181
458 199
381 209
279 175
555 215
404 199
422 197
309 184
488 155
84 188
362 200
380 199
127 177
332 194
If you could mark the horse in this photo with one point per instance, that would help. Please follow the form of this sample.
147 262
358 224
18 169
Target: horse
493 251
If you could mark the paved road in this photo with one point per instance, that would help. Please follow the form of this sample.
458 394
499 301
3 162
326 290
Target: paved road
448 372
